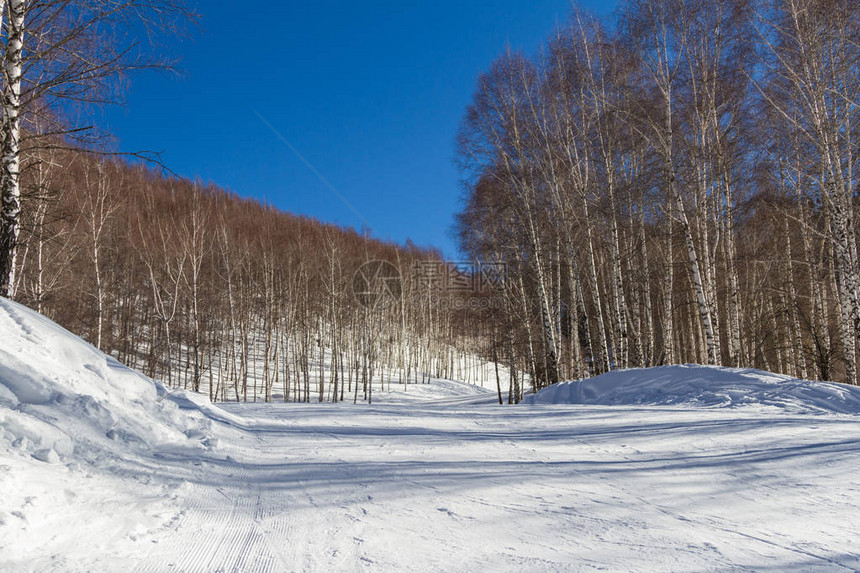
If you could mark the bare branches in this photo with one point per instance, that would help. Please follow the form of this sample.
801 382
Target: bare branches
59 54
624 150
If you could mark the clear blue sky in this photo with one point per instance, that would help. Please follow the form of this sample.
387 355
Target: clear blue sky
370 93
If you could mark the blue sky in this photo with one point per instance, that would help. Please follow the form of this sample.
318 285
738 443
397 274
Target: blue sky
370 94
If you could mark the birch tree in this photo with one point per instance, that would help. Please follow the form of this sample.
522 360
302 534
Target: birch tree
59 53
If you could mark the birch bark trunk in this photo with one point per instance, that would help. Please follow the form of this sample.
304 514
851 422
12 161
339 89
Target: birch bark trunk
10 148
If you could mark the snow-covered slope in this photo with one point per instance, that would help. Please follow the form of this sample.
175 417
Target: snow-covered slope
703 386
61 399
80 438
100 470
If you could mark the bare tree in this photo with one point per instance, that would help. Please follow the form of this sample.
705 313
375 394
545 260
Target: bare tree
57 53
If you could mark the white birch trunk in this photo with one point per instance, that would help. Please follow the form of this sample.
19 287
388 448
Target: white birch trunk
698 285
10 160
668 305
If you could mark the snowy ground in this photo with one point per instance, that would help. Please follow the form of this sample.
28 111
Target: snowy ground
433 478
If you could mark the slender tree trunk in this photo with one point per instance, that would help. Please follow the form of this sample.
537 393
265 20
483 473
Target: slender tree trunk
10 148
668 303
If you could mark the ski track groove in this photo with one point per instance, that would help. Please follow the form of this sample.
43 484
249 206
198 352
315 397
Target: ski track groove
232 539
271 514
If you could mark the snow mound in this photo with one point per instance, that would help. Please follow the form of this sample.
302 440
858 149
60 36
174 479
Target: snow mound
708 386
62 400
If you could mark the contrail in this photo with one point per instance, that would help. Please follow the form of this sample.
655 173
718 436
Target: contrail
312 168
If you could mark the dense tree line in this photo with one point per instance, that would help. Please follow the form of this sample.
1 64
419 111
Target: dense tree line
675 185
206 291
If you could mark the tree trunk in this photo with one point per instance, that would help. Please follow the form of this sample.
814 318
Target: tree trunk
10 149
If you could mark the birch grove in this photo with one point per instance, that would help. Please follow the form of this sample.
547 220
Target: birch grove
694 162
211 293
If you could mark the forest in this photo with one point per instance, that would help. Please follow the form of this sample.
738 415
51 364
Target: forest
674 184
210 292
681 186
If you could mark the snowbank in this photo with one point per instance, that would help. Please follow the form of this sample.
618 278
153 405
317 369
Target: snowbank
83 441
61 399
708 386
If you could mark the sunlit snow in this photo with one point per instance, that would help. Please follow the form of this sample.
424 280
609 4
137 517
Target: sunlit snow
101 469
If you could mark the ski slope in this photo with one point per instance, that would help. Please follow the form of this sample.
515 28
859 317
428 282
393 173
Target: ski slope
102 470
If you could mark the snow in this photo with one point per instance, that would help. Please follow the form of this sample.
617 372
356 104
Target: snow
703 386
61 393
431 477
